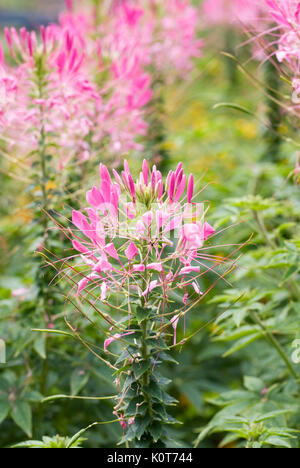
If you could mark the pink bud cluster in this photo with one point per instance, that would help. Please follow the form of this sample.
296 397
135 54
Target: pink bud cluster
141 239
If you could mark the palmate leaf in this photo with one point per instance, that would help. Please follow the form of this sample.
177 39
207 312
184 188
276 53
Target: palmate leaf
21 414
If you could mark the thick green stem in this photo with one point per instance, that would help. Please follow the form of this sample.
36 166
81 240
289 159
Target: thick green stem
143 401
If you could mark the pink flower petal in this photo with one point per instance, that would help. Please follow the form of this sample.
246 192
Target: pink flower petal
151 286
189 269
131 251
147 218
190 189
111 250
174 321
208 231
139 267
115 337
155 266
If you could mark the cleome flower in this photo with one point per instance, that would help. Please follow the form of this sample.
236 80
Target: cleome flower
141 239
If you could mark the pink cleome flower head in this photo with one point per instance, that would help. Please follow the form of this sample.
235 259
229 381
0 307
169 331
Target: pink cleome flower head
284 15
141 238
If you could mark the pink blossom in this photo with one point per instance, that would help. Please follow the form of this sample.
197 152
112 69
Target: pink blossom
208 231
131 251
20 292
152 285
138 268
196 287
155 266
174 322
94 231
115 337
189 269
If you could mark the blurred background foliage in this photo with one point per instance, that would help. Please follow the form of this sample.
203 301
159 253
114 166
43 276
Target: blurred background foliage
229 375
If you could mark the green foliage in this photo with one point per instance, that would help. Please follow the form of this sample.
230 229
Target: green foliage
50 442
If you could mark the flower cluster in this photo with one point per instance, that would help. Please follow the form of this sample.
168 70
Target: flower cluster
284 15
240 13
141 239
87 80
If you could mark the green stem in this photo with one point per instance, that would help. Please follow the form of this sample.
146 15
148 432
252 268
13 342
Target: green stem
263 230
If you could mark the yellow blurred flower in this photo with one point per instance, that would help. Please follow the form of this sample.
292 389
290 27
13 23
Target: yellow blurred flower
51 185
246 128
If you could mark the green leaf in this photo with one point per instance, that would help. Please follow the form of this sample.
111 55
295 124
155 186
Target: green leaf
4 410
142 313
167 358
238 316
193 394
140 425
79 379
78 434
40 346
155 430
168 399
277 441
253 384
243 343
231 105
130 435
291 272
154 390
139 368
133 406
273 414
21 414
33 396
29 444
